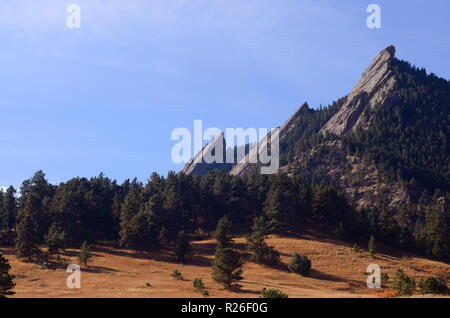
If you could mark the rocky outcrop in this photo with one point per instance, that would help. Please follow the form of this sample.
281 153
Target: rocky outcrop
250 162
360 180
376 88
201 164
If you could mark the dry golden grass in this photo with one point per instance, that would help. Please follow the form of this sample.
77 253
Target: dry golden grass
337 272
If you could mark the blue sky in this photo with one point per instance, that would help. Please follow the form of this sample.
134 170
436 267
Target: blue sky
106 97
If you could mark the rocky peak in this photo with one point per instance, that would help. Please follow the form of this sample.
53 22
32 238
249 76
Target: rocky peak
376 88
199 165
247 163
290 123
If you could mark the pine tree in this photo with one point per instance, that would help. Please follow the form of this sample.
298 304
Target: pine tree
129 209
223 232
274 210
182 247
163 240
10 209
174 218
27 237
6 280
56 238
227 268
403 284
372 246
85 255
261 252
40 192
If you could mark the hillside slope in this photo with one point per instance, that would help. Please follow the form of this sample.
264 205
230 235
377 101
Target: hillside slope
337 272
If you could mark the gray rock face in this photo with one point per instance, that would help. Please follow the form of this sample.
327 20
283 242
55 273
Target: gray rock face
376 88
250 162
202 163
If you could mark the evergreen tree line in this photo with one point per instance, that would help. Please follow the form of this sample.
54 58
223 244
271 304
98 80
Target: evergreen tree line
154 215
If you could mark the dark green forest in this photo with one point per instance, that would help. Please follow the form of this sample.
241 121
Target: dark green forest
150 216
409 141
305 135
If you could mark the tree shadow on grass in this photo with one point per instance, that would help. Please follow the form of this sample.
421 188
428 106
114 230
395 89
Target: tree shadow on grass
210 248
99 269
158 255
245 291
315 274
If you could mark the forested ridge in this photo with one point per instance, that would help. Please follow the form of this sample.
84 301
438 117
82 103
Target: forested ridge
151 216
409 140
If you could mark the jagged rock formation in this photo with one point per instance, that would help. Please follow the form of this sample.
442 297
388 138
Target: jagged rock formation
376 88
199 164
250 162
313 146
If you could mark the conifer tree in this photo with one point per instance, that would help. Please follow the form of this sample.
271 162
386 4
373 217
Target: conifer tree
6 280
10 208
56 238
223 232
27 237
256 244
163 240
129 209
227 268
182 247
85 255
273 209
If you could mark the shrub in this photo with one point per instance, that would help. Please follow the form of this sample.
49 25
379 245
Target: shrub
300 265
272 293
205 293
356 248
177 275
403 284
433 285
198 284
384 278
